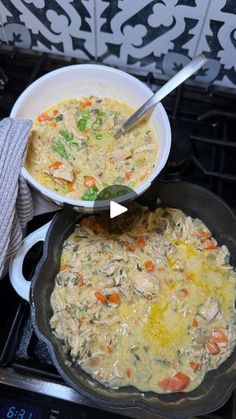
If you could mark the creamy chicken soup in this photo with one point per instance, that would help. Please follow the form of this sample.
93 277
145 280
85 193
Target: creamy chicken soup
153 308
72 149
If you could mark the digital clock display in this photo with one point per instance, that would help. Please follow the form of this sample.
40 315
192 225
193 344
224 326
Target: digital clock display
11 409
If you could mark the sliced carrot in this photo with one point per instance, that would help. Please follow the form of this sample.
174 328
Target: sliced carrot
86 104
128 372
89 181
56 164
149 266
218 336
65 266
140 242
160 269
114 298
43 117
194 322
209 245
195 365
55 111
110 348
101 297
179 381
212 347
205 234
182 293
176 383
128 174
165 383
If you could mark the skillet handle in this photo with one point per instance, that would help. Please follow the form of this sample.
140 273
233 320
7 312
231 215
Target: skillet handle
18 281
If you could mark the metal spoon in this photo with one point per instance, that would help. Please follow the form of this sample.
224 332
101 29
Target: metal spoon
175 81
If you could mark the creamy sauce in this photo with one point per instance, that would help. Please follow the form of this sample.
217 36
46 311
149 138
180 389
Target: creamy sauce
153 308
72 149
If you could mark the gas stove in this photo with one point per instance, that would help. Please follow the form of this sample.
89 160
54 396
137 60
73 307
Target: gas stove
203 122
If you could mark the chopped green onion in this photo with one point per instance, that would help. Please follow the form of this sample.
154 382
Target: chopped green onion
97 123
101 113
82 123
131 184
68 136
78 145
64 188
85 113
98 136
90 194
105 184
117 116
59 148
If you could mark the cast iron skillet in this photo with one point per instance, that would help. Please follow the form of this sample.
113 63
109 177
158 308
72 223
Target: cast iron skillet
217 385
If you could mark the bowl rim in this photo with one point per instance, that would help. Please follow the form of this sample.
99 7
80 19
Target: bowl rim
88 205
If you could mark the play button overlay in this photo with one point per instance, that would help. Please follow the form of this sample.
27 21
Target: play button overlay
116 209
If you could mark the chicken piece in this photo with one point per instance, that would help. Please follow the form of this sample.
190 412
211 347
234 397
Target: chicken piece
109 268
70 122
120 276
57 301
63 172
127 290
145 286
165 249
143 148
36 139
117 370
122 154
189 232
210 309
64 325
222 256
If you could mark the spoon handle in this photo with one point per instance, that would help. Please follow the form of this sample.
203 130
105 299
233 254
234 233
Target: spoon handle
174 82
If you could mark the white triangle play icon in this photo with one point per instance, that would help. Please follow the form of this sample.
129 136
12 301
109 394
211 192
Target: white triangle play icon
116 209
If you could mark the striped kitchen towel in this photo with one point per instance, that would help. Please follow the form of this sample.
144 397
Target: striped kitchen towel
16 206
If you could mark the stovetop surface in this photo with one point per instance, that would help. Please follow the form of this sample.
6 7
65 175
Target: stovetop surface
203 121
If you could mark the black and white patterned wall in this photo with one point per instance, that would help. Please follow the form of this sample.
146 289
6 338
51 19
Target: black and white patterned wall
155 35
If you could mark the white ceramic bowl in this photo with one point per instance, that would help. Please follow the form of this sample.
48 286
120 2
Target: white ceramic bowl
85 80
